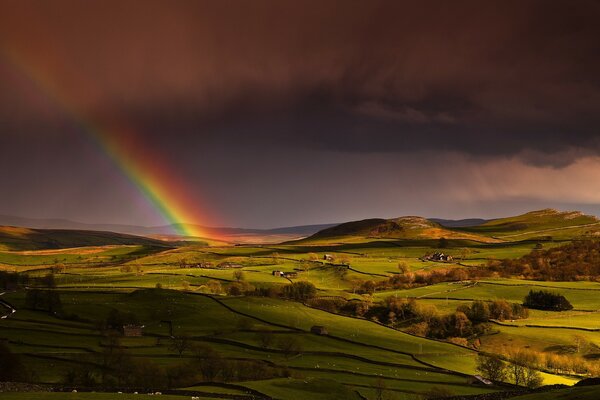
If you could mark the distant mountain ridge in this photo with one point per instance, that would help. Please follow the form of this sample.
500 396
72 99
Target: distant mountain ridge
19 239
539 224
409 227
57 223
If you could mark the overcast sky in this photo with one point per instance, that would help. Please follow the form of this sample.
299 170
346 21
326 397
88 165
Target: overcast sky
295 112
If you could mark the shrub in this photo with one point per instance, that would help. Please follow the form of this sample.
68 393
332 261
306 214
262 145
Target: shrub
300 291
545 300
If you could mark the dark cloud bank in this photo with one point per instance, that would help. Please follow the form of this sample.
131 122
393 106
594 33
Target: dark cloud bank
234 82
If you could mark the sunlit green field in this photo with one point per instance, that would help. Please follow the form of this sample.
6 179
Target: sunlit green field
348 361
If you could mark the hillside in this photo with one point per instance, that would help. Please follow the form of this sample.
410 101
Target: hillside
16 238
539 224
230 234
409 227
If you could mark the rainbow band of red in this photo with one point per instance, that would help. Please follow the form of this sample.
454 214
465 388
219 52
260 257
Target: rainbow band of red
147 170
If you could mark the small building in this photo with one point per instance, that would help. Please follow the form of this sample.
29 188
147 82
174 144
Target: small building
278 273
228 264
290 275
438 257
319 330
480 380
132 330
328 257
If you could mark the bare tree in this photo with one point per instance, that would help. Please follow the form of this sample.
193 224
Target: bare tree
491 367
238 275
180 344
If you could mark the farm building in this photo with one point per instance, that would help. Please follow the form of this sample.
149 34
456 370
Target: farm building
290 275
278 273
328 257
319 330
438 257
227 264
480 380
132 330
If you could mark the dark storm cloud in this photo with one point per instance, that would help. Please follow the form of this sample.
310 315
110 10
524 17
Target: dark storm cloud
486 78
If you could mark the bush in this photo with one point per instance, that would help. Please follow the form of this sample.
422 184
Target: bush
545 300
300 291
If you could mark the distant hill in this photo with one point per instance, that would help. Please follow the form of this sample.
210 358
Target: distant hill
17 238
544 223
459 223
290 232
410 227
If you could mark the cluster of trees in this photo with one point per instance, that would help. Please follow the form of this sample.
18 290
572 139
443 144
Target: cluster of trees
11 367
520 366
545 300
115 321
519 370
43 300
578 260
115 367
300 291
406 279
426 319
13 280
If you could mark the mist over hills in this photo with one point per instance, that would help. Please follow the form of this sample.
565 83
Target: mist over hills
58 223
535 224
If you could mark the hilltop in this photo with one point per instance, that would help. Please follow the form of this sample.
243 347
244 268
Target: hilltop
409 227
539 224
17 238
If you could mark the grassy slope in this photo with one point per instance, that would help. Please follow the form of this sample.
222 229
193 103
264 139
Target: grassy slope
397 228
574 393
537 224
16 239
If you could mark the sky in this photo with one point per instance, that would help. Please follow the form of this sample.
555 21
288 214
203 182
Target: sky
278 113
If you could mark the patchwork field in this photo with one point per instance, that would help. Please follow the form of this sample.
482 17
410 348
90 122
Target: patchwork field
194 299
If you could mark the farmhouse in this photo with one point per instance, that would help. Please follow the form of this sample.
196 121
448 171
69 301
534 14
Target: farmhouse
438 257
328 257
319 330
278 273
228 264
132 330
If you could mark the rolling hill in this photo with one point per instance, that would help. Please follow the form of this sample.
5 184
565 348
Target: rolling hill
409 227
230 234
16 239
539 224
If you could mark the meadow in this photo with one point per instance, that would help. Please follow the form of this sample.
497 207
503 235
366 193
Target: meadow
184 291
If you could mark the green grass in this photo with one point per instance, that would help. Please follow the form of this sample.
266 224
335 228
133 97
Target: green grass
350 359
574 393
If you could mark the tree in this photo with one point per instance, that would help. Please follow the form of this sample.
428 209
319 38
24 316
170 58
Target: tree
180 344
214 286
545 300
581 343
442 243
238 275
265 338
462 325
313 257
403 267
11 368
379 387
289 345
479 312
300 291
491 367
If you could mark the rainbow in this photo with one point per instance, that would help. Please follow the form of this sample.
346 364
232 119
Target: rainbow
145 168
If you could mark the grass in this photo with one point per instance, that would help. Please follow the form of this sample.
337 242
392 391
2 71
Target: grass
350 360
